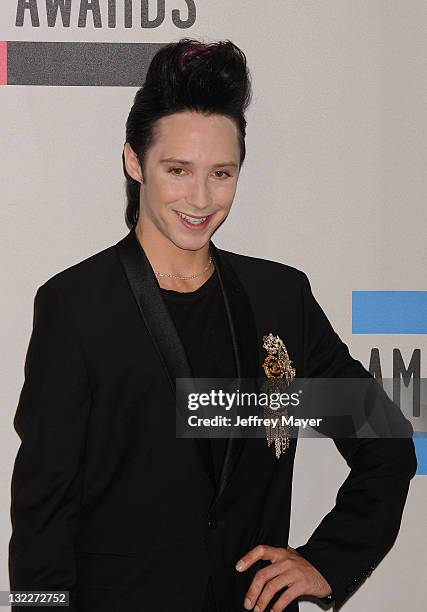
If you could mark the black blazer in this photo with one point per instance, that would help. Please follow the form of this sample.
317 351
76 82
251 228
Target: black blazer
106 501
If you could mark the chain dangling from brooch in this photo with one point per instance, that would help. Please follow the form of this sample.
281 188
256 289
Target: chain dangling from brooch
277 366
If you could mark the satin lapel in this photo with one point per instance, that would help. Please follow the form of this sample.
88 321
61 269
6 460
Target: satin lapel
159 323
245 346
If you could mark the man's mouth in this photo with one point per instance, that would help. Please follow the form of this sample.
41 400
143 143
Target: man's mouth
189 220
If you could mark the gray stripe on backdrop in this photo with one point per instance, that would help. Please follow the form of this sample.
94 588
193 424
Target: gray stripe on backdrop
79 64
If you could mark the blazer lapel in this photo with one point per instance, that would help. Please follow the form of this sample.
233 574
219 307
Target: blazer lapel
161 328
245 346
159 324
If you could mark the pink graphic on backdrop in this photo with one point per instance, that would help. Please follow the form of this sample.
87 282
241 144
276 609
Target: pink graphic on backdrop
3 62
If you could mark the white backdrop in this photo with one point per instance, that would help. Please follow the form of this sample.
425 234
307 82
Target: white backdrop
334 183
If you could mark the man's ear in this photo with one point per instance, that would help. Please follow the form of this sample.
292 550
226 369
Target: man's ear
133 167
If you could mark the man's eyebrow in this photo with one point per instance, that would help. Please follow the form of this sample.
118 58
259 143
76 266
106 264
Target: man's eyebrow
185 162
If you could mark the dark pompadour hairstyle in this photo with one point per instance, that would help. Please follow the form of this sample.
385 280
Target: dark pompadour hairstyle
211 78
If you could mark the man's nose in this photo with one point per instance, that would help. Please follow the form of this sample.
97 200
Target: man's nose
200 197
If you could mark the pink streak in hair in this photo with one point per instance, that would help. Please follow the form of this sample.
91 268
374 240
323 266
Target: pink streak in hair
194 50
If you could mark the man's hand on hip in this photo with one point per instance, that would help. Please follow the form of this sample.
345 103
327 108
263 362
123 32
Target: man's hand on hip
288 569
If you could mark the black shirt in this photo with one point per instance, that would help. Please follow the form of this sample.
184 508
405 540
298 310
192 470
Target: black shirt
201 322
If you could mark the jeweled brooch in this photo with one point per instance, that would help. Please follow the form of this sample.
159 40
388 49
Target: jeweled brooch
278 369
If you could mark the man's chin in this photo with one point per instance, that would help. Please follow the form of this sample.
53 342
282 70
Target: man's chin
194 244
191 243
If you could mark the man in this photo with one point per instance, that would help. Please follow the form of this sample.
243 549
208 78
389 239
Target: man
106 501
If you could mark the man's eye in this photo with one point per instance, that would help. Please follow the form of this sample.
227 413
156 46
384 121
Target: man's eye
223 172
172 171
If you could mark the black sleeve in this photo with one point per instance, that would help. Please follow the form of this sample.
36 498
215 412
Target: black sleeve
356 534
51 420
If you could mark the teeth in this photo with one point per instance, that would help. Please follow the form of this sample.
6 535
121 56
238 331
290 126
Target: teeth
192 219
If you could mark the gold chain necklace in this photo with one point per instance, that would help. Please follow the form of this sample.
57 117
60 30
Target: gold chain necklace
185 277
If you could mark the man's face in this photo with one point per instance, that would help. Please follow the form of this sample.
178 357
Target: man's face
192 169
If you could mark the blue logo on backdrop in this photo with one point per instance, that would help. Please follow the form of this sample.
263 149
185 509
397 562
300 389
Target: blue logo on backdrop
395 312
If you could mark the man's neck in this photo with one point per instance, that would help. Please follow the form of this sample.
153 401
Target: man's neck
166 258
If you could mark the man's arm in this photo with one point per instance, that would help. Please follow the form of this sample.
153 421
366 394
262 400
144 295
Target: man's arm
355 535
47 477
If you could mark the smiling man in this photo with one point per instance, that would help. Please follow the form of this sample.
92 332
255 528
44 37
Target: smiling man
186 196
107 502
